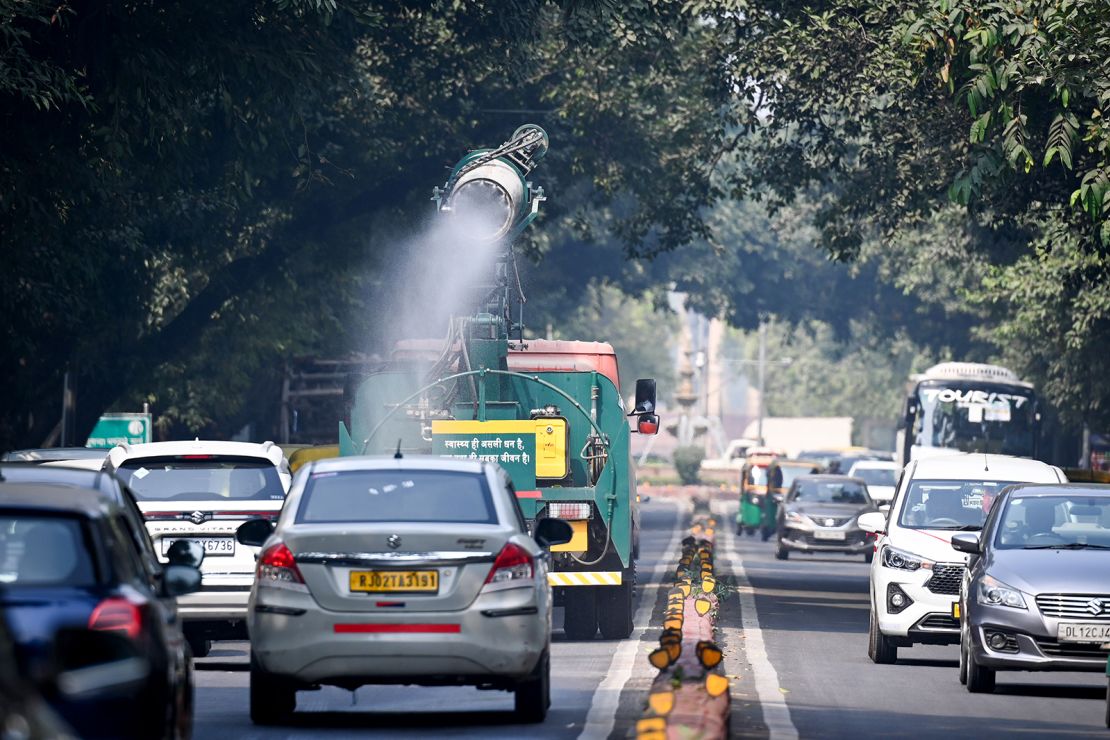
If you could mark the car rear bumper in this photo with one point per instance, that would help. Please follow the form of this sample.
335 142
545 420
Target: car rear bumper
500 636
222 597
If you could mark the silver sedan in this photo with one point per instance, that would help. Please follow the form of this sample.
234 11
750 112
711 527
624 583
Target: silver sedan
411 571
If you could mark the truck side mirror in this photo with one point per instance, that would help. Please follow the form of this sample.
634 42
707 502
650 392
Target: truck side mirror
648 424
645 397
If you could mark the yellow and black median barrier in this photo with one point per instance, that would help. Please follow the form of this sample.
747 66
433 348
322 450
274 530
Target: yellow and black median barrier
689 698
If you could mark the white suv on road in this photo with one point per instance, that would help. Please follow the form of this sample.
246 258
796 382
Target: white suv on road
202 491
916 575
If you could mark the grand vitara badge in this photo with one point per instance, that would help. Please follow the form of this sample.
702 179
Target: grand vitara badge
394 541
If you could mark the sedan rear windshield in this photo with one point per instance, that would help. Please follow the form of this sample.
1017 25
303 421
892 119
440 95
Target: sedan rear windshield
202 478
949 504
397 496
38 550
875 476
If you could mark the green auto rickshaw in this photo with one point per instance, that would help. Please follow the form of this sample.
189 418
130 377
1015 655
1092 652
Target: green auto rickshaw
753 491
780 476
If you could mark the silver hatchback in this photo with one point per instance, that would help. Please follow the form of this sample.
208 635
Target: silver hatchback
413 571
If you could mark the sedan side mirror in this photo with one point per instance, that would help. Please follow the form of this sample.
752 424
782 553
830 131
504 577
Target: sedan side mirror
553 532
967 542
186 552
178 580
254 532
873 522
645 397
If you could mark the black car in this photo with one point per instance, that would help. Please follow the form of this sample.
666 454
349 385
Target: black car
74 555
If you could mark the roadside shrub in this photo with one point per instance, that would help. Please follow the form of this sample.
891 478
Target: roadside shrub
687 462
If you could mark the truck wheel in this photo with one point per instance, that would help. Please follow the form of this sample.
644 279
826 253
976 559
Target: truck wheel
614 608
532 696
580 612
272 700
980 680
880 648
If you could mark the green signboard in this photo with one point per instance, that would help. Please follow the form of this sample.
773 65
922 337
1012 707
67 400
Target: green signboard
510 444
114 429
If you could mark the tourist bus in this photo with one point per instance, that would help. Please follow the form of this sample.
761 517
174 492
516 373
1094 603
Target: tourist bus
969 407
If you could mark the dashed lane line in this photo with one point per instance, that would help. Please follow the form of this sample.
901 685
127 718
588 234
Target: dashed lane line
776 714
602 715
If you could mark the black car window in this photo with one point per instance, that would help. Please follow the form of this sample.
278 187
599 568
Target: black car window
40 550
133 519
830 492
202 478
396 496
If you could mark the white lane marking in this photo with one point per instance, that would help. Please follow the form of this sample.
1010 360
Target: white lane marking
602 716
776 714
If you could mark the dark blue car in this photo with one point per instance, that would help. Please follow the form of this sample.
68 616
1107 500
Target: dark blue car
74 554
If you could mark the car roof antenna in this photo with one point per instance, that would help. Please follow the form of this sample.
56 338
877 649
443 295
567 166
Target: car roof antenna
398 455
986 463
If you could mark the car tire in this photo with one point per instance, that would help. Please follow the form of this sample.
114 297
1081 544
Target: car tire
781 553
199 646
963 664
614 607
532 696
980 680
880 648
272 700
580 612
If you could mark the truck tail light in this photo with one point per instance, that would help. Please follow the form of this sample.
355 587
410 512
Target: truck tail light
117 615
513 563
568 511
277 568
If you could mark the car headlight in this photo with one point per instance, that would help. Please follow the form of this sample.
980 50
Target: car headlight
892 557
993 592
795 517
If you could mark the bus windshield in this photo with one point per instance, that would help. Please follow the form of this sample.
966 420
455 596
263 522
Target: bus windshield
974 417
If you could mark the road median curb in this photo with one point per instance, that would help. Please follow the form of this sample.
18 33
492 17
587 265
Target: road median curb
689 698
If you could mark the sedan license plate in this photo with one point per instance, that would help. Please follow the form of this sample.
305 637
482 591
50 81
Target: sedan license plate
829 534
211 545
394 581
1083 633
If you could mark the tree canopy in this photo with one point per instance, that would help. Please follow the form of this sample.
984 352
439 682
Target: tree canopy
192 193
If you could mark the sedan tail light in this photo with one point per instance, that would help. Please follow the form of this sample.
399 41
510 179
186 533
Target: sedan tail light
513 563
117 615
277 568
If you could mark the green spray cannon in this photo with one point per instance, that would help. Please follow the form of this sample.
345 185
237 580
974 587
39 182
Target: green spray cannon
547 412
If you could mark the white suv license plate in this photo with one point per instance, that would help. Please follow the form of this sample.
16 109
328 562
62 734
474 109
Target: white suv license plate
836 535
212 545
1083 633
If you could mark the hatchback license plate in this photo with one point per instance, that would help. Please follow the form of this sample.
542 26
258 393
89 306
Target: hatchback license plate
395 581
211 545
828 534
1083 633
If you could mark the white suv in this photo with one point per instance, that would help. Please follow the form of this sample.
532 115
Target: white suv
879 475
916 575
202 491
